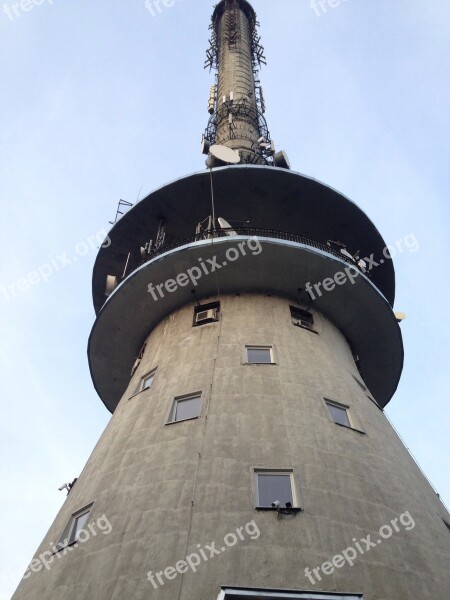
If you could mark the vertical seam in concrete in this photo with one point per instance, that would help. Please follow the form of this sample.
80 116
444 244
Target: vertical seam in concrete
205 422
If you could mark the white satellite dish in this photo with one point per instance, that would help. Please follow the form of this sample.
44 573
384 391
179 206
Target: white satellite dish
226 226
225 154
346 253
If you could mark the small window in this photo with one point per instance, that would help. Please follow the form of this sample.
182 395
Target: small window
339 413
302 318
76 523
137 362
185 408
206 313
364 388
361 385
146 382
274 489
259 355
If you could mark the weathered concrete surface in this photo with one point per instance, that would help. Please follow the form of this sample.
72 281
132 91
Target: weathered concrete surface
279 266
166 489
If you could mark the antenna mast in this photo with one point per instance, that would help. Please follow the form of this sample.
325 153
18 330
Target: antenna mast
236 101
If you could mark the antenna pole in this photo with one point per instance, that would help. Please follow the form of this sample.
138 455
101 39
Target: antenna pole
236 102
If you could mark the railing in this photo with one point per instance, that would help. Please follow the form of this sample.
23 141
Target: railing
211 234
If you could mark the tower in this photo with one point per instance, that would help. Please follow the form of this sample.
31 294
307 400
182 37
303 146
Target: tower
247 449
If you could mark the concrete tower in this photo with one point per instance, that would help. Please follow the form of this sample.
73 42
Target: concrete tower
246 349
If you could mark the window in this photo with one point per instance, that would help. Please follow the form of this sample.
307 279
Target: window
206 313
259 355
76 523
146 382
185 407
137 362
361 385
258 594
273 487
302 318
339 413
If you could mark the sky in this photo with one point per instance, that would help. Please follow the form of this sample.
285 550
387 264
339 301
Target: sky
107 100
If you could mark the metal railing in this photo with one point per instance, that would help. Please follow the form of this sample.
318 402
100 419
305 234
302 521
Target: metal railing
212 234
134 261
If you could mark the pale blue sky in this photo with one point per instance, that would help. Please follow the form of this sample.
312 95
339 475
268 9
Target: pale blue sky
100 98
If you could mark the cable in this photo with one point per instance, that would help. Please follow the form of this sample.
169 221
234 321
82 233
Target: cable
208 400
212 197
213 212
415 460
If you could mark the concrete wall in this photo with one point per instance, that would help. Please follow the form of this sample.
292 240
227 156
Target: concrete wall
166 489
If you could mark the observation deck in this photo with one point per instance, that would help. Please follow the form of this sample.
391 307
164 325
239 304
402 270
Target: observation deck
293 218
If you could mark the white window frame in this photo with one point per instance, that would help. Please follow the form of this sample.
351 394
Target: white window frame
176 400
140 387
151 374
342 407
254 347
70 527
262 471
242 594
360 383
364 387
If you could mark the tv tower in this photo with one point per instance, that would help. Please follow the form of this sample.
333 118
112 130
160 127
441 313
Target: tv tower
246 346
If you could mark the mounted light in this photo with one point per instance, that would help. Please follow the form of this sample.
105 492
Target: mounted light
205 145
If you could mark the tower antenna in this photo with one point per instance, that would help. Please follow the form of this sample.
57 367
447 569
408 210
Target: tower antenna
236 101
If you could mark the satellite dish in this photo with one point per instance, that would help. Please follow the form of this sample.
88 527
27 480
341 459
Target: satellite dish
400 316
224 154
226 226
346 253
